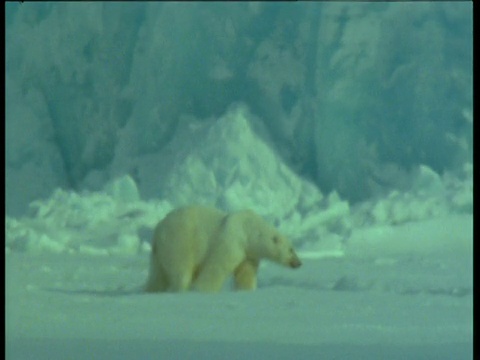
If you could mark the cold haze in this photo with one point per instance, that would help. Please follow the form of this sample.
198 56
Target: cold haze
347 125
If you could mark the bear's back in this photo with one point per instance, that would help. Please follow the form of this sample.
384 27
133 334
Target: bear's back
192 227
202 221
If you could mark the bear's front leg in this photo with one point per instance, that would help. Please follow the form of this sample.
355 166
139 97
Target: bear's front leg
217 268
246 275
210 279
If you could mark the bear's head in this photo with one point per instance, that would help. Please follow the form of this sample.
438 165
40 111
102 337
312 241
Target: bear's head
269 243
280 250
264 241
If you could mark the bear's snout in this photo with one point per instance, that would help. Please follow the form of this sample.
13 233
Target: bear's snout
295 263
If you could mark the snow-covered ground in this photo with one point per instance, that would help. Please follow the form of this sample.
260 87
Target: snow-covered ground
385 291
84 307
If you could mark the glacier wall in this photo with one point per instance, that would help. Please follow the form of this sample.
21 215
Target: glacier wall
352 96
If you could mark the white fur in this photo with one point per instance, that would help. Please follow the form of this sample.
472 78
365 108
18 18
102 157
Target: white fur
198 248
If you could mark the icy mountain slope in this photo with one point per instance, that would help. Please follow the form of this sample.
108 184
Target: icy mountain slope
223 162
101 85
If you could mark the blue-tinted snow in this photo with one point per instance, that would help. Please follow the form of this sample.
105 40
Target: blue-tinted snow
347 125
348 308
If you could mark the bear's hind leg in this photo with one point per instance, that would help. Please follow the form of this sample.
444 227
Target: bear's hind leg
246 276
180 272
157 279
180 282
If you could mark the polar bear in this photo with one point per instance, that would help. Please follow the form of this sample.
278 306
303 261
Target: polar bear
198 248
